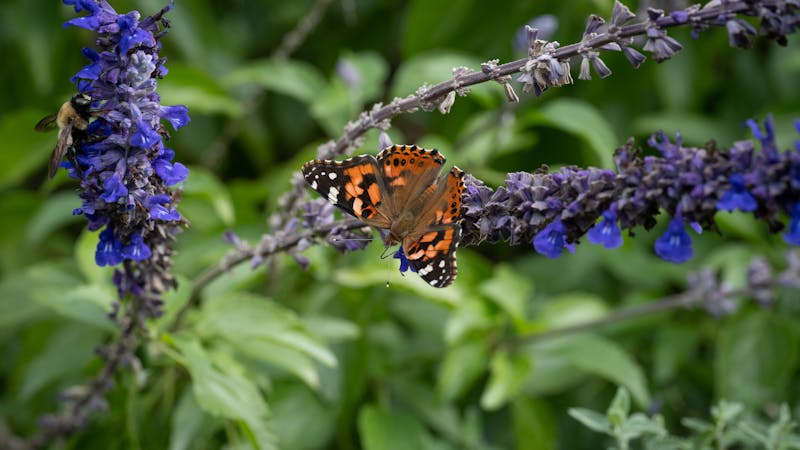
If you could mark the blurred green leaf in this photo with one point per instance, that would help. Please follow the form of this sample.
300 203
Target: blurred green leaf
88 304
224 391
63 357
386 430
619 408
198 90
583 120
607 359
267 331
756 356
372 71
674 348
534 424
55 212
591 419
293 78
434 67
25 150
569 309
190 423
463 364
507 374
85 249
510 291
204 193
301 421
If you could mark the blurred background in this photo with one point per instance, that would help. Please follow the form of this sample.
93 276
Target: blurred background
341 360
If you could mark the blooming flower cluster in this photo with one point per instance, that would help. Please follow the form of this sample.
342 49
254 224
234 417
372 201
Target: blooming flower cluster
125 170
553 210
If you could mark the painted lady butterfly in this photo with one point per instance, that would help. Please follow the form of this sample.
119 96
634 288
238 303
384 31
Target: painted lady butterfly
400 191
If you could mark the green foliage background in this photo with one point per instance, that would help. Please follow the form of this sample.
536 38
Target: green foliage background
330 357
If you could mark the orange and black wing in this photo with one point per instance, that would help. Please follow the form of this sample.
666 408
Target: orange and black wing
354 185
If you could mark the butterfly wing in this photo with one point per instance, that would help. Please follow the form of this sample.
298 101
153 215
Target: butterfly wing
409 174
354 185
432 251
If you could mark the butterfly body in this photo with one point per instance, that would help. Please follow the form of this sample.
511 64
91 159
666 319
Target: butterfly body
400 191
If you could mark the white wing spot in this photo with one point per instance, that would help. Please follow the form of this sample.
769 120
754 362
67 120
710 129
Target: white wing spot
441 264
313 185
425 270
433 282
333 194
332 176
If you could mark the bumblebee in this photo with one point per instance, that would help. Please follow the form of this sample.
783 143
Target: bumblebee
72 119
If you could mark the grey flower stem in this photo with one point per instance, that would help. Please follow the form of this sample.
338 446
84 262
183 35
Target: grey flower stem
241 255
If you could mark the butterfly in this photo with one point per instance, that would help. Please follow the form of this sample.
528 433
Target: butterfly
400 191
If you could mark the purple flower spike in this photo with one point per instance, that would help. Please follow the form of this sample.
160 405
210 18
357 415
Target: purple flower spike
737 197
606 232
675 245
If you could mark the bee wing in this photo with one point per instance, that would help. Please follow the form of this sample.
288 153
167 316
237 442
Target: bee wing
63 144
47 123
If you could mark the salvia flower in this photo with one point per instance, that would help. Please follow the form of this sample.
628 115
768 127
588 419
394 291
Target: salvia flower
125 169
405 265
551 241
675 245
737 197
692 183
606 232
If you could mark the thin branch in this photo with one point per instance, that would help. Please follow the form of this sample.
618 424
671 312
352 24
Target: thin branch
293 39
247 253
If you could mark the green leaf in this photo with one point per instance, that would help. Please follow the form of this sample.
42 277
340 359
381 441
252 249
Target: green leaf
267 331
463 364
372 70
64 356
26 151
87 304
639 425
206 198
224 391
507 375
295 79
199 91
85 249
620 407
511 291
582 119
607 359
591 419
387 430
190 423
534 424
55 212
756 357
434 67
301 420
569 309
673 349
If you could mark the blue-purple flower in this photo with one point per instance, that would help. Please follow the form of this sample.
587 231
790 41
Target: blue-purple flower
405 265
675 245
125 169
606 232
551 241
737 197
792 235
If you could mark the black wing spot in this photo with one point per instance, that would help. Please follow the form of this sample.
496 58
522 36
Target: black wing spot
396 162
